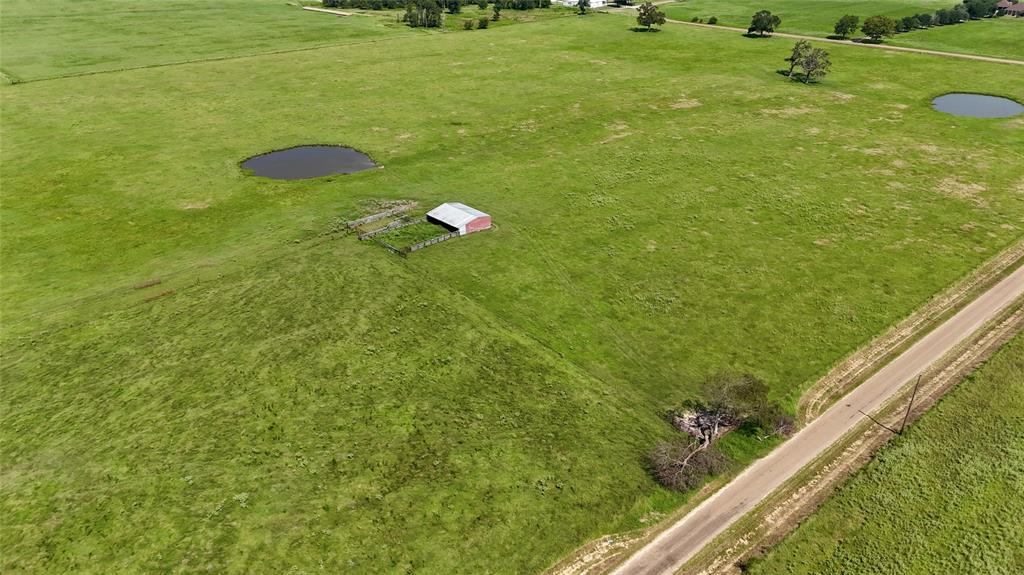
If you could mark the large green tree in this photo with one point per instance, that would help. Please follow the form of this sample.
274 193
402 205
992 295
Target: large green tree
878 27
815 64
800 49
846 25
764 22
647 14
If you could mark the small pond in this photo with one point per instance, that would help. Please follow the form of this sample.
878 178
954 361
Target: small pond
977 105
308 162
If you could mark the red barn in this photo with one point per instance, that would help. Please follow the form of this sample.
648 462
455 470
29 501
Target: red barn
459 217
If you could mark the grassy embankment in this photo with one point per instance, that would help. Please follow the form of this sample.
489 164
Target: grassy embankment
945 497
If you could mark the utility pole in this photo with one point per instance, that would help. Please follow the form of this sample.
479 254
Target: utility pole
911 404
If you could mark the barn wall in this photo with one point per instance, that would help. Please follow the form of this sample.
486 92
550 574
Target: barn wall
481 223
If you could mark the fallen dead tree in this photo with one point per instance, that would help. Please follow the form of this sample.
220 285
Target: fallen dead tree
727 403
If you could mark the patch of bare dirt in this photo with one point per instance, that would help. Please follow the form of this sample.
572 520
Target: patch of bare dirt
867 151
595 558
957 187
684 103
621 130
789 112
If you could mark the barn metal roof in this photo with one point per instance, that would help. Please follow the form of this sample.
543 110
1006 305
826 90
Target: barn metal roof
455 214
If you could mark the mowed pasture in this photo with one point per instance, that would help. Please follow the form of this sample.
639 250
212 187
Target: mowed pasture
666 206
999 37
945 497
61 37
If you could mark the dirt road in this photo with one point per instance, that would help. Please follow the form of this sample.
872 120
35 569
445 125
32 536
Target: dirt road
672 548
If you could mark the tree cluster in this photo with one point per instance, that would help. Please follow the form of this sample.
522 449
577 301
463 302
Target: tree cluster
727 403
878 27
423 14
813 62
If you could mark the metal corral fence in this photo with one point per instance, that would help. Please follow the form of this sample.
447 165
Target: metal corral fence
379 216
392 248
431 241
419 245
392 226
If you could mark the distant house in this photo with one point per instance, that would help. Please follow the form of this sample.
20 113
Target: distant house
459 218
1015 10
1003 4
593 3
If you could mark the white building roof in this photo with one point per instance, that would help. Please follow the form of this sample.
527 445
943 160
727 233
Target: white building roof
455 214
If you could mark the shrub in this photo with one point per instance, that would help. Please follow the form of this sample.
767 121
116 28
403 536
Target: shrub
482 23
694 19
467 24
713 20
481 4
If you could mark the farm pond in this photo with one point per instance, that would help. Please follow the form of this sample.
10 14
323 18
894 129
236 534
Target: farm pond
977 105
303 162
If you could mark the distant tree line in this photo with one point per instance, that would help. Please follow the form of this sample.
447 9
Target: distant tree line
764 23
878 27
451 6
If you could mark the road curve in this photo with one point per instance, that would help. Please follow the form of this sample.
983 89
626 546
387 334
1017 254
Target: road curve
677 544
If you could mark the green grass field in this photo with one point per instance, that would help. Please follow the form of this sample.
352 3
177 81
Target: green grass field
1001 37
945 497
289 398
61 37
